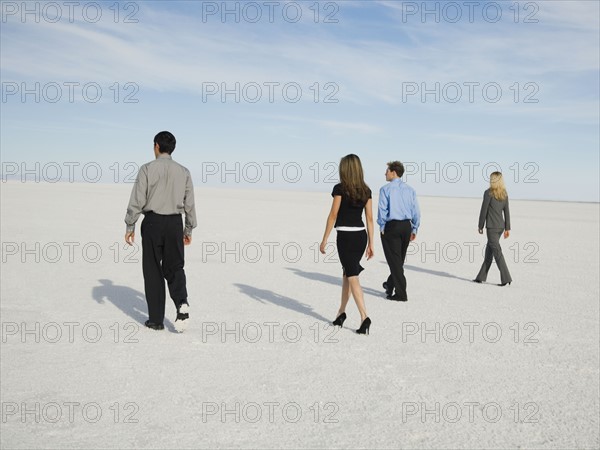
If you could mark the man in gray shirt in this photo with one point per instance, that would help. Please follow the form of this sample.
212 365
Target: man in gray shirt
163 191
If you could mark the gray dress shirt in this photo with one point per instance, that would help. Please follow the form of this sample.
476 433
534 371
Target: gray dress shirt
491 213
164 187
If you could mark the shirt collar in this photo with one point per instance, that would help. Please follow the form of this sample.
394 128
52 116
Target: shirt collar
164 155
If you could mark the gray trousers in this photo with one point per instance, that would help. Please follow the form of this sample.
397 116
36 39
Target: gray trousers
493 250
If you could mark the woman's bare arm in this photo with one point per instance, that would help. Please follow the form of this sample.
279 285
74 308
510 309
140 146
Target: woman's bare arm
335 208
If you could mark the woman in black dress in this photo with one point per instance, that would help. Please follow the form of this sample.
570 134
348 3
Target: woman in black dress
350 197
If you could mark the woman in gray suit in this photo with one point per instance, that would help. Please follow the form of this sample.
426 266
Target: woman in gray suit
495 203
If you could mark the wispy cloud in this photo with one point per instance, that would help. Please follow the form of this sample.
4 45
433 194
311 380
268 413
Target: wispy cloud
370 54
181 58
335 126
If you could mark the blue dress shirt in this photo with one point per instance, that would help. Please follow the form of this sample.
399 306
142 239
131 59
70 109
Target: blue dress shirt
398 201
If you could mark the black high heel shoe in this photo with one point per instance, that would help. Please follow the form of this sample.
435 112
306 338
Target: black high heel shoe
340 320
364 327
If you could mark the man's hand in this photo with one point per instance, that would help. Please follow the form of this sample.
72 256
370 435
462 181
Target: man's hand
187 239
413 236
129 237
506 234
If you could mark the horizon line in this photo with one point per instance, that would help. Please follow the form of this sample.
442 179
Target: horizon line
261 188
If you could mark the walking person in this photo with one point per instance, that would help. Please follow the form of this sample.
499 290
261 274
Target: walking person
350 197
162 192
495 215
399 218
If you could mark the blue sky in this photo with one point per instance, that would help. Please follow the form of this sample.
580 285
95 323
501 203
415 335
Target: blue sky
371 61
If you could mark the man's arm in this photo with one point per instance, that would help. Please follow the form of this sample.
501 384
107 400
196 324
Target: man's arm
137 200
189 206
382 209
416 214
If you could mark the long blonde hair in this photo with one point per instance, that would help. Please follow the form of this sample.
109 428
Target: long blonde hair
352 179
497 188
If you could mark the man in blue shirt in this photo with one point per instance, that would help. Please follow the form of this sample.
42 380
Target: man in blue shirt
399 219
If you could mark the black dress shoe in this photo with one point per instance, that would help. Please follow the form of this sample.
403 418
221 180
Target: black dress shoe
154 326
396 298
504 284
387 291
183 315
477 281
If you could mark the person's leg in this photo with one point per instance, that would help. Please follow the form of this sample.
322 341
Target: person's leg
174 260
397 236
487 261
154 283
346 244
351 247
357 293
404 231
345 295
496 250
387 253
357 247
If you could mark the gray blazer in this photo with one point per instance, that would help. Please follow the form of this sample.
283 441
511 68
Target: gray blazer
491 213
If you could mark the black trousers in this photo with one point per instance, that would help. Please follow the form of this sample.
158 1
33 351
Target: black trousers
162 259
395 240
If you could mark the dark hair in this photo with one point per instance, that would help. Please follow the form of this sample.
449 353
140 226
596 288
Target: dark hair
166 142
352 179
396 166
